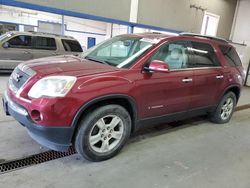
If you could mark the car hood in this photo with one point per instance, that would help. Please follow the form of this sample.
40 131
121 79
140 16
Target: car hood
68 65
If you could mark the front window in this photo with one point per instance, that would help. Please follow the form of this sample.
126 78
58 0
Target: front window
20 41
121 51
175 54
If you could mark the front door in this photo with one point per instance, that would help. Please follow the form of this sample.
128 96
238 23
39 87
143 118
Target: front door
167 93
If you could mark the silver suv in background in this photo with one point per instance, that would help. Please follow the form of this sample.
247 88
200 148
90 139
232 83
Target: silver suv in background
16 47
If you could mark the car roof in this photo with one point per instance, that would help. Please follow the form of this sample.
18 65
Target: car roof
34 33
148 35
186 36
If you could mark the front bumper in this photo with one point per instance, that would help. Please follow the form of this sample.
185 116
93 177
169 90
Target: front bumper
56 138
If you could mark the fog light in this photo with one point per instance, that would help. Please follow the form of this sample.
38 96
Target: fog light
36 115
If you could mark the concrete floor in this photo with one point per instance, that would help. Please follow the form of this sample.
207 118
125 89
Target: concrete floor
204 155
196 155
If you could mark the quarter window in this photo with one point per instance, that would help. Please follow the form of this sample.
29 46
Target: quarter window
71 46
203 55
45 43
231 55
21 41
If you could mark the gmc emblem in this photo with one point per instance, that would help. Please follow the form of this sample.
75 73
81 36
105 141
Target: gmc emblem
16 77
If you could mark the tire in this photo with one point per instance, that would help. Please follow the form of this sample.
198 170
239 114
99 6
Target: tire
226 106
103 133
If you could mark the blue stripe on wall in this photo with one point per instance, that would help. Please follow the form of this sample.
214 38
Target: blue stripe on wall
81 15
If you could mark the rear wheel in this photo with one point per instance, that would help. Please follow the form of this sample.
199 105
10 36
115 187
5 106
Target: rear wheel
103 133
225 109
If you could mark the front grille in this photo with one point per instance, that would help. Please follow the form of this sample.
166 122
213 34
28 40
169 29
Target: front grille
17 79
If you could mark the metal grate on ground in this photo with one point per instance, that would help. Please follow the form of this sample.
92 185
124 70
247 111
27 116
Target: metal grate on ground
8 166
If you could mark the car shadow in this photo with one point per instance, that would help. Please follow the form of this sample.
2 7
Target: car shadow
161 129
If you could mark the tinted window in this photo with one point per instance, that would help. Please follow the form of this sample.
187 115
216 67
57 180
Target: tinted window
176 54
203 55
231 55
44 43
21 41
71 46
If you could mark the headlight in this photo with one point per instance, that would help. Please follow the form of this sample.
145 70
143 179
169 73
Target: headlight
52 86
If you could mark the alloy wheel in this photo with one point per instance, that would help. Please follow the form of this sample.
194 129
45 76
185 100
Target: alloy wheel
227 109
106 134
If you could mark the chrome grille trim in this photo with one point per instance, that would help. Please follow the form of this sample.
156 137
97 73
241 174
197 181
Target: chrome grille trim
19 78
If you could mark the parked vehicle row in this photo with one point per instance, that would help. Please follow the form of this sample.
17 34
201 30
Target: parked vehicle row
17 47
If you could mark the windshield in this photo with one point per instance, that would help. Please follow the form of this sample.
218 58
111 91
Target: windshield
5 36
121 51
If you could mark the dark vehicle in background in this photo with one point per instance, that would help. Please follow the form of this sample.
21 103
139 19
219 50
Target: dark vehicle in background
17 47
96 100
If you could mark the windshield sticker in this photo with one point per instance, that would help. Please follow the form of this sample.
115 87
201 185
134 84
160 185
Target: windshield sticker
153 41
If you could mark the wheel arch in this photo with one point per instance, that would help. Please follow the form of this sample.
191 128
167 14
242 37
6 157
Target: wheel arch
235 89
124 100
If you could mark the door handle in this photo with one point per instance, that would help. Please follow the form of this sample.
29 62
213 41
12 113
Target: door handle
219 77
187 80
27 52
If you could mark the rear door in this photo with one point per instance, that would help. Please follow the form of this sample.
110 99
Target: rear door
18 50
208 75
44 47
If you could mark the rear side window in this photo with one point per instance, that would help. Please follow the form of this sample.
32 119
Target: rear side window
21 41
231 55
203 55
71 45
44 43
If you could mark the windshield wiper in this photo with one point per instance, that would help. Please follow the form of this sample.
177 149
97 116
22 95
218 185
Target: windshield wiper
97 60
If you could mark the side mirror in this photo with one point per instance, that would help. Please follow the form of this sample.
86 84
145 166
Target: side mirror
157 66
6 45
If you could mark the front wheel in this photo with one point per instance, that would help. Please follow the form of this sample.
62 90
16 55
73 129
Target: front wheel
225 109
103 133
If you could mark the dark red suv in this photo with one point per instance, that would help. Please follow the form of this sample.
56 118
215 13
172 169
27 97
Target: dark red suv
95 101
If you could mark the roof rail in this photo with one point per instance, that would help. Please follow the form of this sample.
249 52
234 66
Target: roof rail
204 36
155 32
151 33
44 33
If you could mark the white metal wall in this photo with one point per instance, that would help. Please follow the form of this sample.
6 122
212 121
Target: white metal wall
241 30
